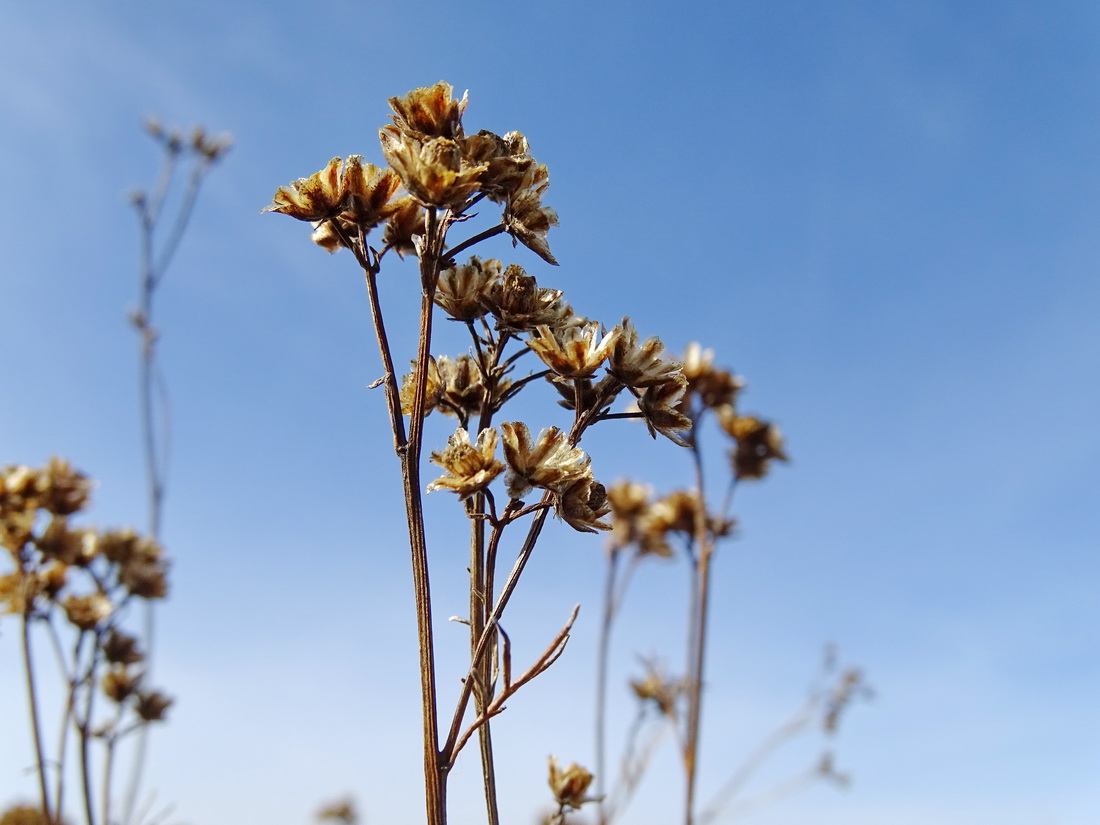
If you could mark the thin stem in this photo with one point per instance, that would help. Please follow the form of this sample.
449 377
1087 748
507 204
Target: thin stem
476 239
602 656
32 698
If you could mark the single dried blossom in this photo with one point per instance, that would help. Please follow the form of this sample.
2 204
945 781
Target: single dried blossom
659 406
570 785
86 612
62 490
120 683
463 386
508 159
758 442
519 303
640 365
715 387
526 219
152 706
629 502
316 198
118 648
405 224
431 169
656 688
574 351
369 190
53 579
463 290
471 468
429 111
68 546
146 577
581 504
551 464
432 391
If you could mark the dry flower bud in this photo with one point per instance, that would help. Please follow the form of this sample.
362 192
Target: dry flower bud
508 159
640 365
404 225
656 688
463 387
552 464
659 405
526 219
119 683
86 612
574 351
758 442
316 198
518 303
629 502
62 489
431 169
433 391
569 786
369 190
429 112
581 505
120 649
471 468
464 290
151 706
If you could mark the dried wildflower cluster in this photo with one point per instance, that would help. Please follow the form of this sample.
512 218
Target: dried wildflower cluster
63 577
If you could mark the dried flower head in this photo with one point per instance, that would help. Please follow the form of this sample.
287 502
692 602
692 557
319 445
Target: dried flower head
629 502
570 785
432 392
470 468
431 169
581 504
758 442
655 687
464 290
713 386
151 706
660 404
508 159
119 683
86 612
640 365
120 649
316 198
404 226
573 351
463 386
62 490
526 219
518 303
551 464
429 111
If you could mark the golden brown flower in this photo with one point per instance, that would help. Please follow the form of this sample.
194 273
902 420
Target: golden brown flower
629 502
471 468
118 648
369 190
406 222
508 159
581 504
316 198
62 490
68 546
552 464
431 169
758 442
429 112
432 392
88 611
151 706
659 405
518 303
573 351
463 290
119 683
715 387
640 365
657 688
463 386
526 219
569 786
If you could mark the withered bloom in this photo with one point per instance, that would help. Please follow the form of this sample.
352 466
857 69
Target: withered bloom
659 405
369 190
432 391
431 170
714 386
582 504
470 468
463 387
429 112
152 706
18 592
574 351
88 611
656 688
120 649
640 365
62 489
406 222
570 785
119 683
526 219
758 442
518 303
316 198
552 464
508 159
463 290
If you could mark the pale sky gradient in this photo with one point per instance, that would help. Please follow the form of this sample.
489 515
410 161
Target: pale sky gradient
885 215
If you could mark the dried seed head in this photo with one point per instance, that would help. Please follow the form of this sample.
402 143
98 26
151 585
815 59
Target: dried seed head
758 442
659 405
429 112
629 502
119 683
525 218
86 612
570 785
508 160
464 290
463 386
120 649
62 489
470 468
316 198
518 303
581 505
152 706
713 386
432 391
551 464
404 225
573 351
431 169
640 365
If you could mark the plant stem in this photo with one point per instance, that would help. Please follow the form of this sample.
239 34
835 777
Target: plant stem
601 681
32 697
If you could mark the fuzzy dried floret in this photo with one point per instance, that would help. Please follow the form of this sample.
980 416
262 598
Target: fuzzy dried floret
551 463
574 351
469 468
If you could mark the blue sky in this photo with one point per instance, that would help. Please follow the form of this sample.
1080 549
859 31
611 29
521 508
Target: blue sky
884 215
